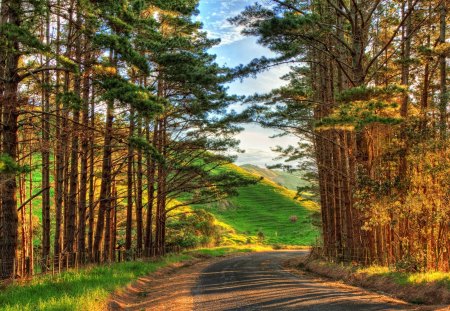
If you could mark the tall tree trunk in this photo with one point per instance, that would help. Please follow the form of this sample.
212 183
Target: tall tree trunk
105 188
130 159
30 215
73 181
161 190
151 170
46 154
405 72
443 114
443 103
59 154
159 195
82 204
91 182
11 10
114 222
65 140
139 175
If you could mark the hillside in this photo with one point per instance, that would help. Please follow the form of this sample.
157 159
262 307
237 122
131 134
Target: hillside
264 208
266 212
285 179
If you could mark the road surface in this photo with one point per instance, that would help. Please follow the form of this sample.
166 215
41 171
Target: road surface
258 282
254 281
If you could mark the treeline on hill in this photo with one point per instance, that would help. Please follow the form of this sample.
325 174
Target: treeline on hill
121 110
368 90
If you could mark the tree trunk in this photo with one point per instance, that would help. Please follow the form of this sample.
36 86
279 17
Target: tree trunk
91 183
139 176
82 204
73 182
130 159
10 61
443 71
59 156
46 156
151 170
105 188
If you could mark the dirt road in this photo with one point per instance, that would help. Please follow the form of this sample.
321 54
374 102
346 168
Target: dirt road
249 282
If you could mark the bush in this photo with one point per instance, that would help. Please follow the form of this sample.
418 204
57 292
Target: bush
408 264
261 236
192 230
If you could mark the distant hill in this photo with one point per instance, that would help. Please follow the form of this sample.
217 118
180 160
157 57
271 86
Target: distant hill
285 179
268 212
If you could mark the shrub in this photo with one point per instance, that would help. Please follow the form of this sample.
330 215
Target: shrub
261 236
408 264
192 230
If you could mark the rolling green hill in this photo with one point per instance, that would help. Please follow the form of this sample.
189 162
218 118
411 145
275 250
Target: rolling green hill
285 179
261 212
267 212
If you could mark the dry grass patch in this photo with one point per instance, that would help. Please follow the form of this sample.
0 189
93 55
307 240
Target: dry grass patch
431 288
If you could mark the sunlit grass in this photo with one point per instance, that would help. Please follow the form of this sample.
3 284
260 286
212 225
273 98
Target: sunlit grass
261 213
421 278
221 251
430 277
86 289
408 278
373 270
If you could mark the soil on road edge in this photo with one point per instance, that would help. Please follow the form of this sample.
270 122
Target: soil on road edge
168 288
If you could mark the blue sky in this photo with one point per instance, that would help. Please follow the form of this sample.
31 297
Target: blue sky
236 49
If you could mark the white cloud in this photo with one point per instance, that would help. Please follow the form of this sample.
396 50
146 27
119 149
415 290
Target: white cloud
216 14
224 31
263 83
257 144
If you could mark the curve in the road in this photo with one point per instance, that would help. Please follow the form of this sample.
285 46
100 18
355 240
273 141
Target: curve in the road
258 282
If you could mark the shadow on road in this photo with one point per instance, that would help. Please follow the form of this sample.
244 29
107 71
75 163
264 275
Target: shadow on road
257 282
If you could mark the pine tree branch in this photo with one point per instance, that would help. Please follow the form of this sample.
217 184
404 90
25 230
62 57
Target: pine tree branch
36 71
31 198
388 43
289 6
342 12
369 16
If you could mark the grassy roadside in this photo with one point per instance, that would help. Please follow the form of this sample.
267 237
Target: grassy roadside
420 288
89 288
226 250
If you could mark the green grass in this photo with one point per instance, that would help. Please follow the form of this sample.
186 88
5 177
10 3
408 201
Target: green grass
86 289
222 251
399 277
408 278
431 288
267 207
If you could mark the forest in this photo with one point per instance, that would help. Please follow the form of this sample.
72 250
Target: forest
124 115
122 111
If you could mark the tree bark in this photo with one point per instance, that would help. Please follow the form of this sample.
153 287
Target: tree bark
82 204
139 176
151 170
130 159
443 103
46 155
10 60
